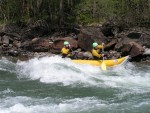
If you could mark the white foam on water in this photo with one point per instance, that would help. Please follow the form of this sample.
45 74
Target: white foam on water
31 105
6 65
7 91
48 105
2 69
58 70
130 80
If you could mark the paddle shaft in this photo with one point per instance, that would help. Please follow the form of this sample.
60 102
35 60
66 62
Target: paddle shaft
103 65
103 50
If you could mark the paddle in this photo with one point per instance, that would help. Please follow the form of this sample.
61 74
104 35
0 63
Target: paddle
103 65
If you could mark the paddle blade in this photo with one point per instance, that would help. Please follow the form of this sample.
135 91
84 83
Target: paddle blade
103 66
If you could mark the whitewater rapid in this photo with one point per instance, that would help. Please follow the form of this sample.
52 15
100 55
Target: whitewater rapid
58 70
56 85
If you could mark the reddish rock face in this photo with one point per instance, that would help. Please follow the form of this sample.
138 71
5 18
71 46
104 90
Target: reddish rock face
5 40
17 44
36 45
111 45
88 36
58 44
136 49
40 45
129 47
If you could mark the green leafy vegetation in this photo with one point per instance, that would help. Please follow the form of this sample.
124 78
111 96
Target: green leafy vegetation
129 12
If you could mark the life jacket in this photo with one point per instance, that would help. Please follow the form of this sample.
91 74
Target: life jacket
95 52
65 51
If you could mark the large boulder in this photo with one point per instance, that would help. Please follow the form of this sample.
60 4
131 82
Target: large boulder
25 45
111 45
5 40
87 36
145 39
140 37
58 44
136 49
129 47
17 44
110 28
35 45
40 45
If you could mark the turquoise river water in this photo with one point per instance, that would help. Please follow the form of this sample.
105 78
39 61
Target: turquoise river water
56 85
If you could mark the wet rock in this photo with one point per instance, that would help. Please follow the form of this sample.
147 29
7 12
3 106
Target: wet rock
111 45
34 40
17 38
109 28
1 43
42 54
145 39
112 54
136 50
82 55
13 52
36 44
87 55
74 36
88 36
17 44
78 55
134 35
41 45
5 40
129 47
5 49
140 37
123 44
26 45
1 50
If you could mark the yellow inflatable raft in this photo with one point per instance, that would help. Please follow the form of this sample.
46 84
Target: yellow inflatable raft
107 62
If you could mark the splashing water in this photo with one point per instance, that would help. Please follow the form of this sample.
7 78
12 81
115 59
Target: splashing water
58 70
56 85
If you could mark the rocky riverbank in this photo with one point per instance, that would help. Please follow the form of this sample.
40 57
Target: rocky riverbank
33 39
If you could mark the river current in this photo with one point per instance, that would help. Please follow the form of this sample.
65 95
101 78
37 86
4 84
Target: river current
56 85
